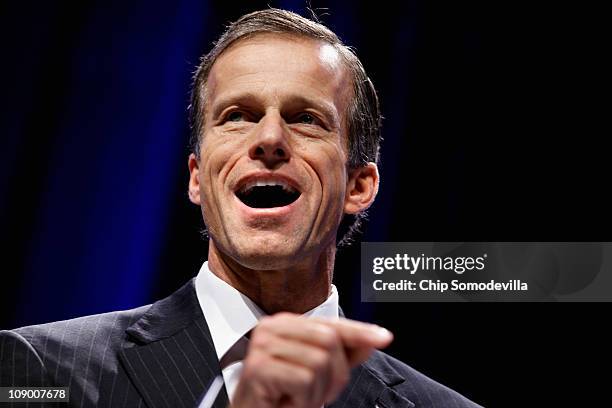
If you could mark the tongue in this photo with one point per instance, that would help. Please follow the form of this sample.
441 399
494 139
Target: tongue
268 197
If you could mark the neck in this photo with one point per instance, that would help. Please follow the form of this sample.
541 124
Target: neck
297 288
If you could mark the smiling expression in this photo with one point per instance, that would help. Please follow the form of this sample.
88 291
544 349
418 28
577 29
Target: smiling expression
271 177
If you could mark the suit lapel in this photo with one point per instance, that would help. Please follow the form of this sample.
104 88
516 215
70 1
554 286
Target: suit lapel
370 387
171 359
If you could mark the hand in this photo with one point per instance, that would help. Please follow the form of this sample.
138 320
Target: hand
300 362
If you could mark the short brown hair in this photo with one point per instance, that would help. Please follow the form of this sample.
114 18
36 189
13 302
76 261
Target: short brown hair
363 112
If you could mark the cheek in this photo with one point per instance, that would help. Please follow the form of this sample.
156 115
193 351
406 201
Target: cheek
211 165
329 165
218 156
323 155
333 164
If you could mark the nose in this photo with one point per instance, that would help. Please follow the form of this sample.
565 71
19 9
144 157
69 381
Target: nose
270 144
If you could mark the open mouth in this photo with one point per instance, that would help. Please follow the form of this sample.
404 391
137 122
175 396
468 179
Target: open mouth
267 194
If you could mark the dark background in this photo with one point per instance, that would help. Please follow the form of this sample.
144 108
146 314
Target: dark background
494 131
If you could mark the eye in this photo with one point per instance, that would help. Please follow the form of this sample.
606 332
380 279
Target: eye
235 116
307 119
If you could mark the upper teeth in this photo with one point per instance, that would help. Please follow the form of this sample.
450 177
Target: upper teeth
261 183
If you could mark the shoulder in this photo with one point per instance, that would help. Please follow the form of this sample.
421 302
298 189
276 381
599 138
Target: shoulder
75 333
65 347
413 385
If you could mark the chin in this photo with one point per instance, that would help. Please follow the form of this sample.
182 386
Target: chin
268 255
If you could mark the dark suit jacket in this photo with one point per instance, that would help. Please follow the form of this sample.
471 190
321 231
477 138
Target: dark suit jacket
162 355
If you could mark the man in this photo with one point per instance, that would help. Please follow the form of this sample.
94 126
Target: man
286 135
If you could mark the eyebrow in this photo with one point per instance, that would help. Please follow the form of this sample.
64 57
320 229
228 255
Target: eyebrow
242 98
250 99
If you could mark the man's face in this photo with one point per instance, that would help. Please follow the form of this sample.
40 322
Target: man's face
272 175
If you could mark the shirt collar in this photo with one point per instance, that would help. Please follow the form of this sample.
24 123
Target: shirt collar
230 314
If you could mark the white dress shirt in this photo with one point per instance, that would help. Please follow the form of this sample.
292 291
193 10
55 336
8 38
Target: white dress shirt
230 315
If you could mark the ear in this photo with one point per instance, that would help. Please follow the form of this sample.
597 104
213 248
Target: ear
361 188
194 180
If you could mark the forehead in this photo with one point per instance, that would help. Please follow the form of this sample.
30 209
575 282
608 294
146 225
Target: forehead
281 65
